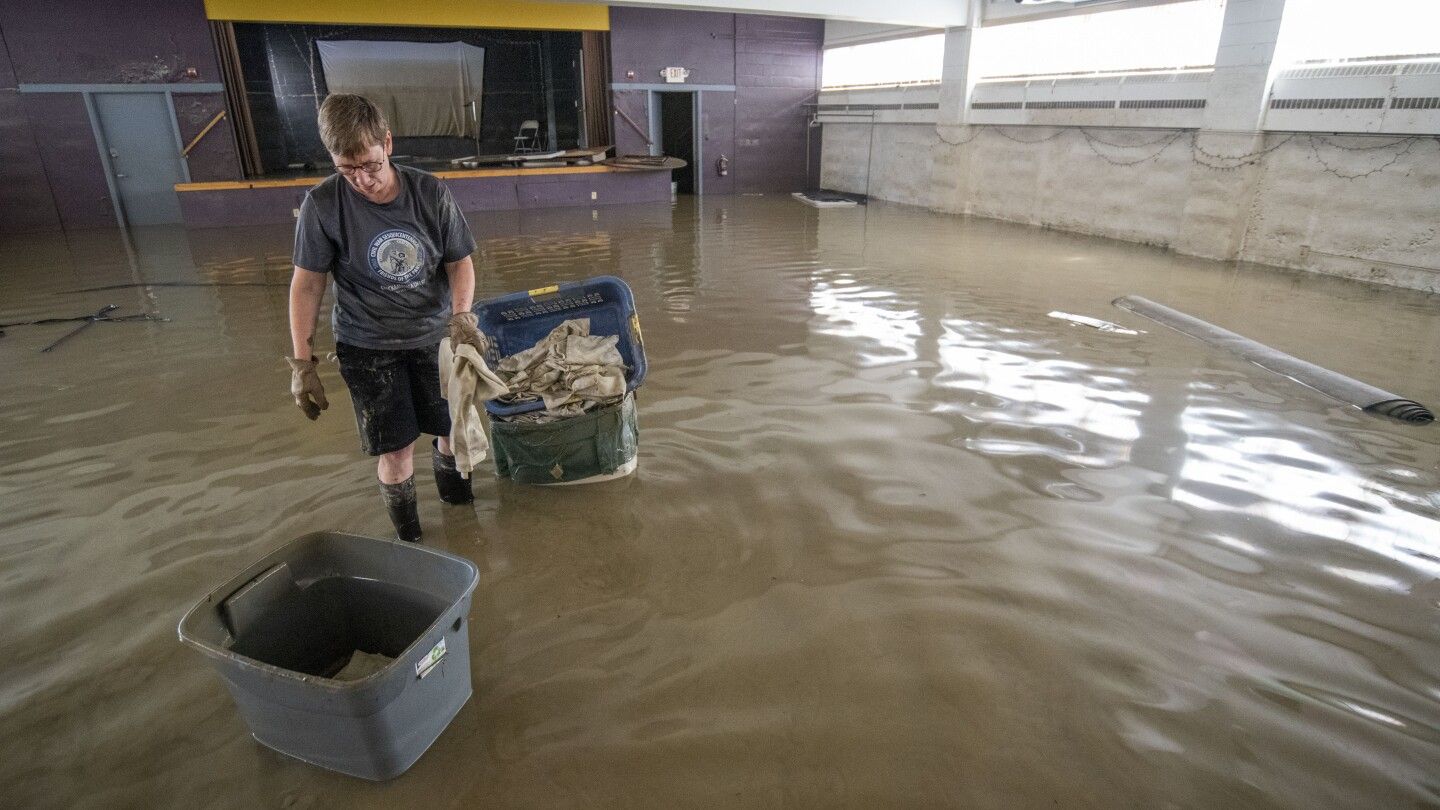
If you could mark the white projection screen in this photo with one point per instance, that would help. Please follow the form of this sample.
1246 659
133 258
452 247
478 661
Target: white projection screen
425 89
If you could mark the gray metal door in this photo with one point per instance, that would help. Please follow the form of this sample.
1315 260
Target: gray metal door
144 157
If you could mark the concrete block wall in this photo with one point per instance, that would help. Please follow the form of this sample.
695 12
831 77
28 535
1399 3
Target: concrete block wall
900 162
1317 207
1222 188
1309 202
777 72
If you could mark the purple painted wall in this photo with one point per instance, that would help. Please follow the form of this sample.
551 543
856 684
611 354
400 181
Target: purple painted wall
25 200
121 41
773 63
242 206
777 72
58 180
644 40
213 157
717 127
71 159
631 103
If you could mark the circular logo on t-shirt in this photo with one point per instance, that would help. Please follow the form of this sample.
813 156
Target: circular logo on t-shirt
396 255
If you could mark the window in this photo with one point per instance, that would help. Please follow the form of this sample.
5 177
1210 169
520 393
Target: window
1173 35
1342 29
897 61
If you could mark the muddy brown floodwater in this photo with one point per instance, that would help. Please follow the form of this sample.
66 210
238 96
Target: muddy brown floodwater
897 538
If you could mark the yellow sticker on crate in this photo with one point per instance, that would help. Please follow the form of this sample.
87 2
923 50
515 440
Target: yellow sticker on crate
539 291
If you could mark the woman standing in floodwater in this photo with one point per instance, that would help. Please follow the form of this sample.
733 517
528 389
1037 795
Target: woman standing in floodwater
399 250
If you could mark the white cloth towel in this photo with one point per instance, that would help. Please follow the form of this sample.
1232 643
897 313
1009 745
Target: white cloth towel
467 383
570 370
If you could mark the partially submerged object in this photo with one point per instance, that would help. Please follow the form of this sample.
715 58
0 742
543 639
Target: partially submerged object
593 437
285 633
1093 323
645 162
150 284
595 446
100 315
517 322
825 198
1361 395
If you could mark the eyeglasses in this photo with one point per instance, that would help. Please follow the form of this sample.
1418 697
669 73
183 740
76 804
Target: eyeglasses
370 167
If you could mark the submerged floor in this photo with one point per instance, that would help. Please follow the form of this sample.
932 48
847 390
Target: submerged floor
897 537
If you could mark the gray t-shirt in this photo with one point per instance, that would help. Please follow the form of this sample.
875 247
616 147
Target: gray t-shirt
391 289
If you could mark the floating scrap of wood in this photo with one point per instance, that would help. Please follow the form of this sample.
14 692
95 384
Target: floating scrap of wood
1095 323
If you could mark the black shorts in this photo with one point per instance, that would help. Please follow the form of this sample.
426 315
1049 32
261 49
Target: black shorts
396 394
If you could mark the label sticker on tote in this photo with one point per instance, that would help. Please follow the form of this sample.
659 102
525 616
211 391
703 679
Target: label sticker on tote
424 666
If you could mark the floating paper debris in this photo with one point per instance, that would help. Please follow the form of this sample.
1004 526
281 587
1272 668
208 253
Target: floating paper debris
1096 323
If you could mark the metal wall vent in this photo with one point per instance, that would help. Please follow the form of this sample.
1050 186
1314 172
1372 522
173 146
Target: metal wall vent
1381 69
1070 105
1415 103
997 105
1167 78
1327 103
931 105
1162 104
1339 70
1103 79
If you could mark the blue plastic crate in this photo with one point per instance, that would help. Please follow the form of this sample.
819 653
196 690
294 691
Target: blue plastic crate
518 321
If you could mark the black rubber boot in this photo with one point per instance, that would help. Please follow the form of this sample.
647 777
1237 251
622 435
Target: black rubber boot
454 487
404 510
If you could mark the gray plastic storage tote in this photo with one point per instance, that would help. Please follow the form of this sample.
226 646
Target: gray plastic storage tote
282 630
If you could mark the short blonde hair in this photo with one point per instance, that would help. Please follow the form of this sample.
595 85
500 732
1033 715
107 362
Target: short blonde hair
350 124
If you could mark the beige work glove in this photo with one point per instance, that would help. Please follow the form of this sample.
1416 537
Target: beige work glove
306 388
465 328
